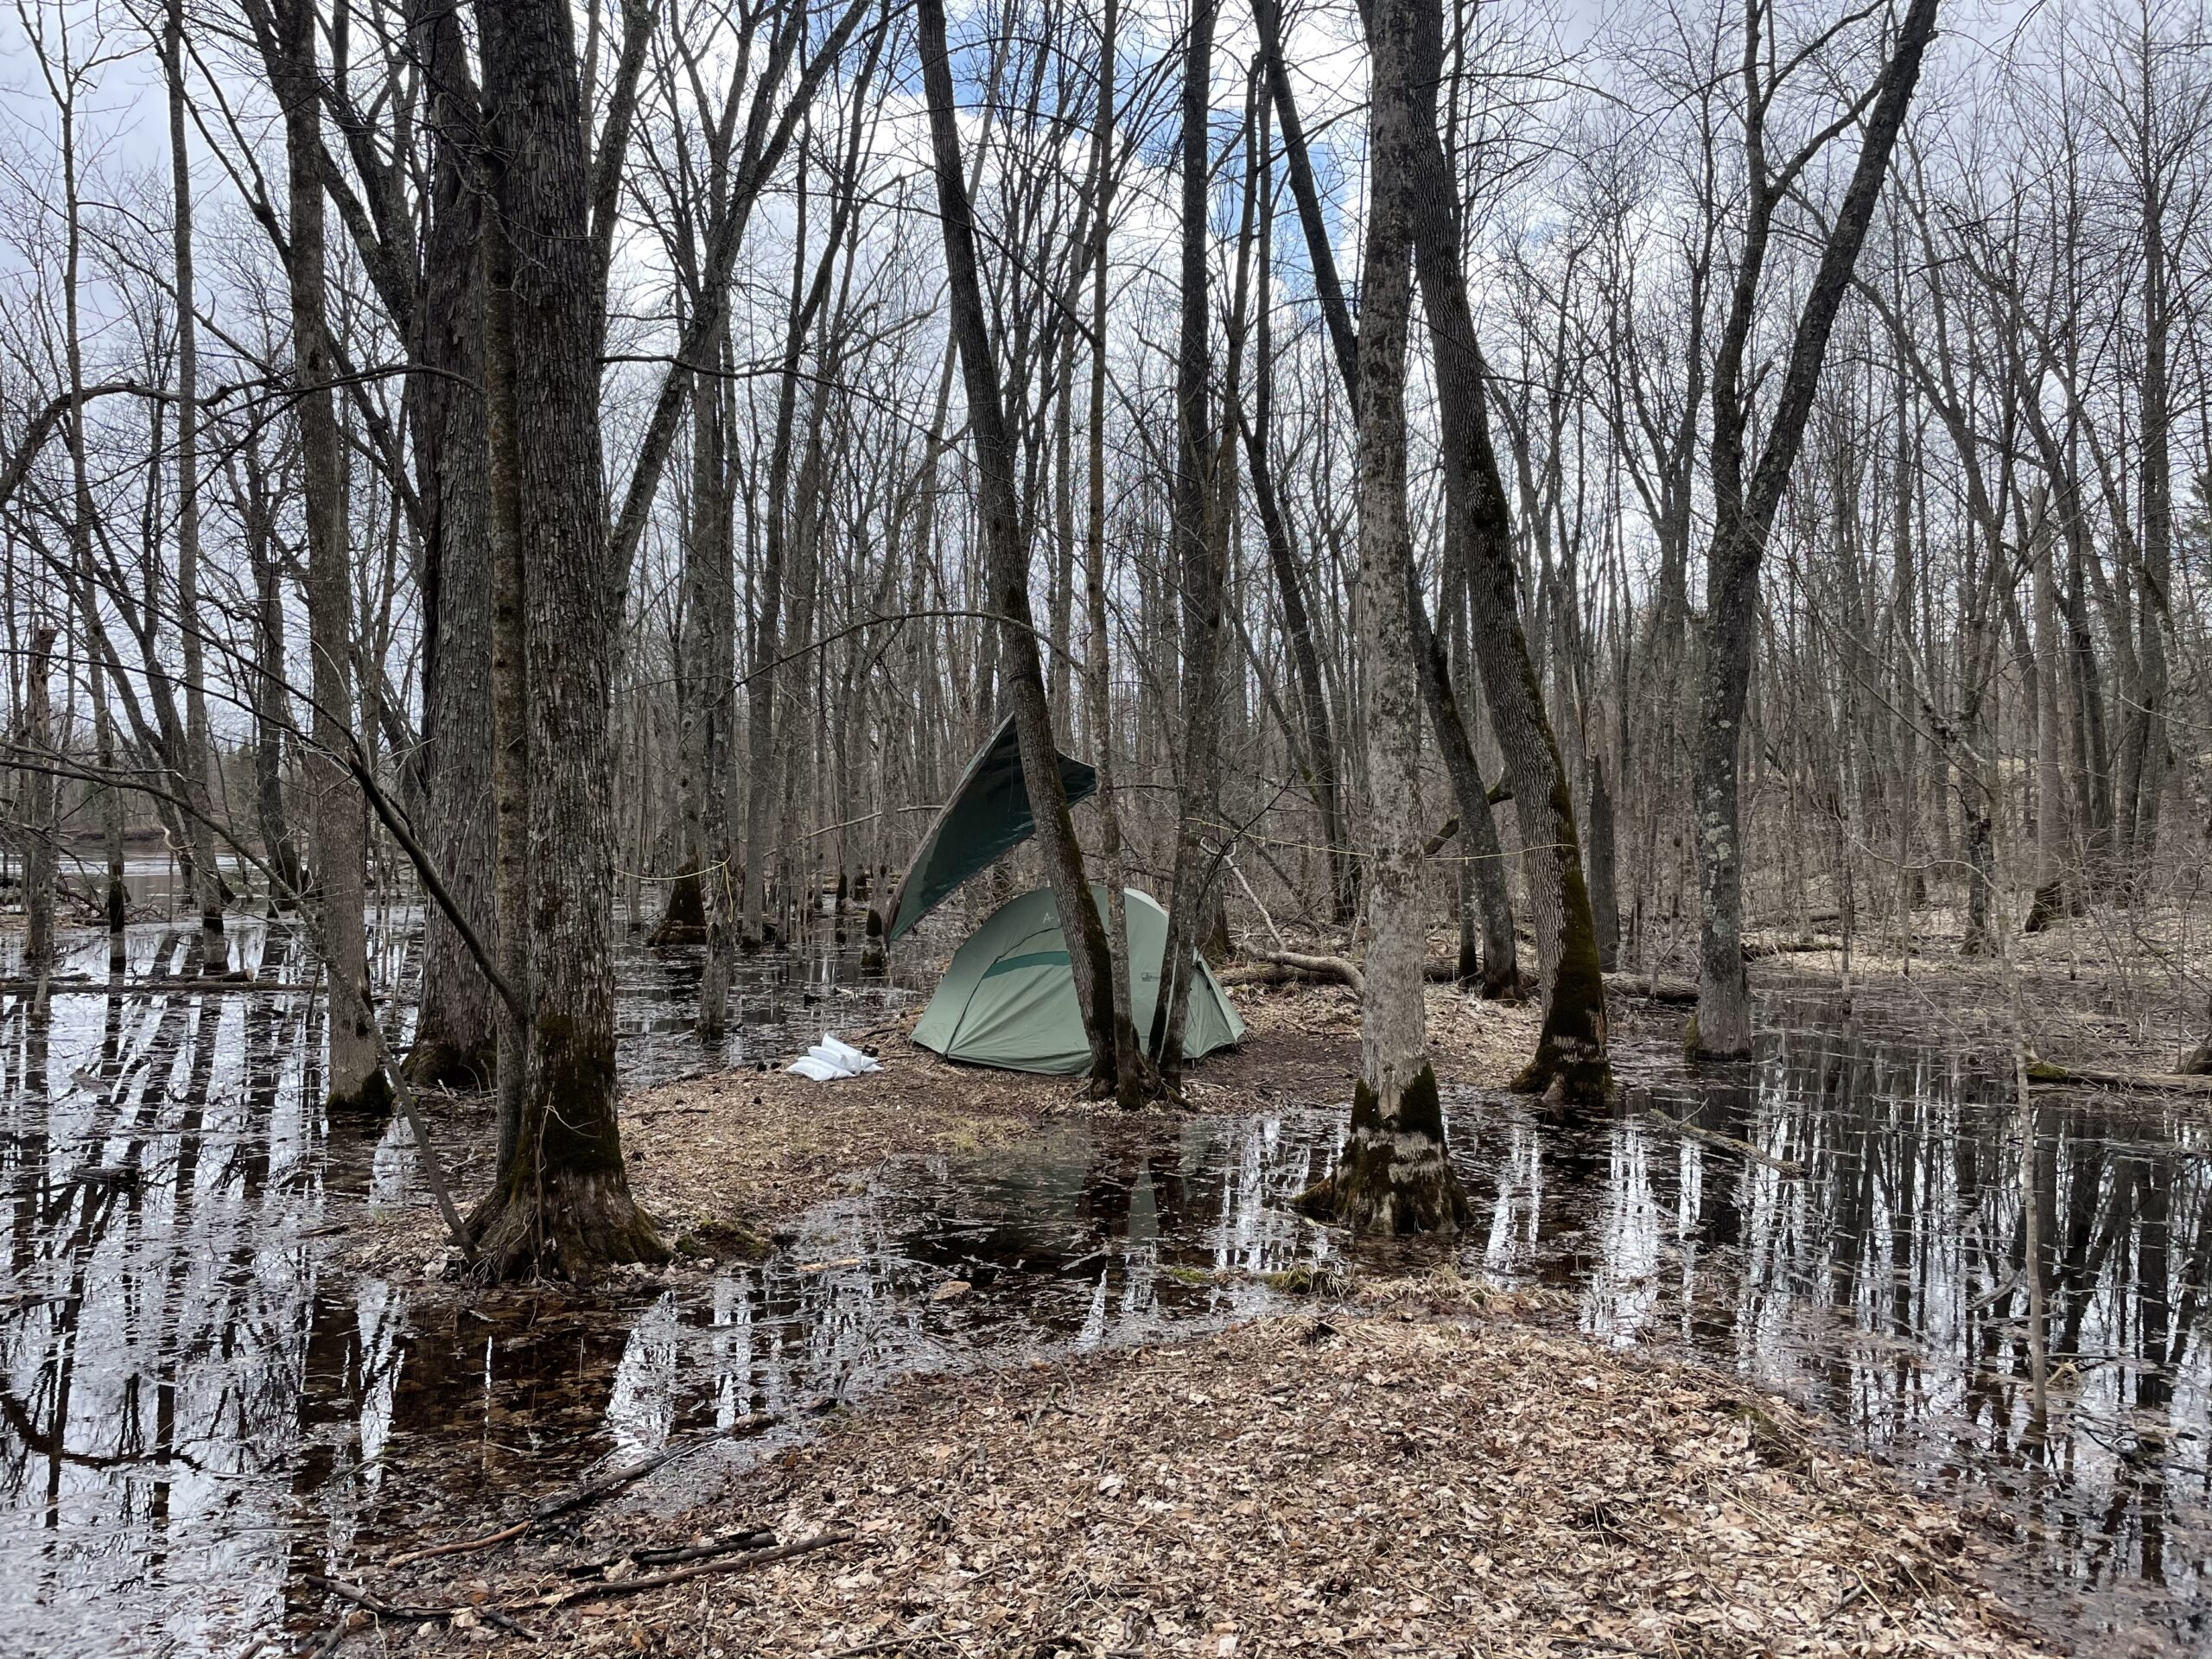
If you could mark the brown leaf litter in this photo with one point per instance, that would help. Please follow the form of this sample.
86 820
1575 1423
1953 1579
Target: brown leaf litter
1423 1471
720 1159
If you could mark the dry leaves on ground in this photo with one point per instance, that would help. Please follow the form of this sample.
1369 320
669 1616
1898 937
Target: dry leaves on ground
1414 1475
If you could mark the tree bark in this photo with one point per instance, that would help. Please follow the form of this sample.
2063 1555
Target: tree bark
2052 900
1395 1175
338 828
1570 1064
37 806
271 719
1133 1078
198 755
562 1203
1744 512
714 686
1200 541
456 1032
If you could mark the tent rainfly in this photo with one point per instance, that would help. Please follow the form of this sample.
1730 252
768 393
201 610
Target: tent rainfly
987 816
1008 999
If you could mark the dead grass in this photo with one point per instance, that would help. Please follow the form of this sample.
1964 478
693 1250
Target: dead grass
1420 1473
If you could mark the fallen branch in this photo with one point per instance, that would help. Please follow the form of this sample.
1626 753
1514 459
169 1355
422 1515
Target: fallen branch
590 1491
744 1540
730 1563
369 1602
614 1480
461 1546
1714 1137
382 1609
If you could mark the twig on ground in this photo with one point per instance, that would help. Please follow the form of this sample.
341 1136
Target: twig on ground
733 1563
461 1546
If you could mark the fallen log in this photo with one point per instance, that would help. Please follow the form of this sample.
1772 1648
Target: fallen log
1790 947
2172 1083
1291 967
1288 967
1653 988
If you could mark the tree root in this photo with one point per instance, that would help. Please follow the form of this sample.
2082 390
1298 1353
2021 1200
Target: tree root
566 1225
1393 1176
437 1064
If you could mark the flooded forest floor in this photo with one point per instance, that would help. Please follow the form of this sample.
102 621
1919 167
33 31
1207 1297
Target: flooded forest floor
960 1362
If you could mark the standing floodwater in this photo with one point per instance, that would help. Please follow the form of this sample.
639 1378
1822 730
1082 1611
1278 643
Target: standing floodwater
197 1406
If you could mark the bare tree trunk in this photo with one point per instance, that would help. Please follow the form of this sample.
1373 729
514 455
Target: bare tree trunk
715 688
271 719
38 801
118 896
1743 512
511 776
1133 1079
456 1031
81 535
339 839
1201 547
1605 906
1090 955
2052 899
1499 971
1394 1176
1322 759
1570 1063
561 1203
198 755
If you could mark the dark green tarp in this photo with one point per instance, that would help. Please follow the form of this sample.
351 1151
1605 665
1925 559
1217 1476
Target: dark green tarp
989 814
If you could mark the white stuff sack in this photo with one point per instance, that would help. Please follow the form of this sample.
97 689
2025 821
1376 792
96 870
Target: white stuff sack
829 1059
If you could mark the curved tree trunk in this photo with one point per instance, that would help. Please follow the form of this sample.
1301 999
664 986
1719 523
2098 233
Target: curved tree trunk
1090 955
1570 1063
1743 511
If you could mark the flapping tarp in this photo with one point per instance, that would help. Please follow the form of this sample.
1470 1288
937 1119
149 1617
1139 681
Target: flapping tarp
989 814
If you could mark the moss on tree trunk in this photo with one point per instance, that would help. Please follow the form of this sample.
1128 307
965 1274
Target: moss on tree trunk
1394 1176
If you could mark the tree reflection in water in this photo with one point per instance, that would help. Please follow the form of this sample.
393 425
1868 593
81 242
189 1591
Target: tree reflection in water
196 1406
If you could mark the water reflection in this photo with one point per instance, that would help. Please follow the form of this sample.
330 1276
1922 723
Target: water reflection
1884 1282
195 1408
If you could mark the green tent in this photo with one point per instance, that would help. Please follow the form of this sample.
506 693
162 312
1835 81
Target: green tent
987 815
1008 999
